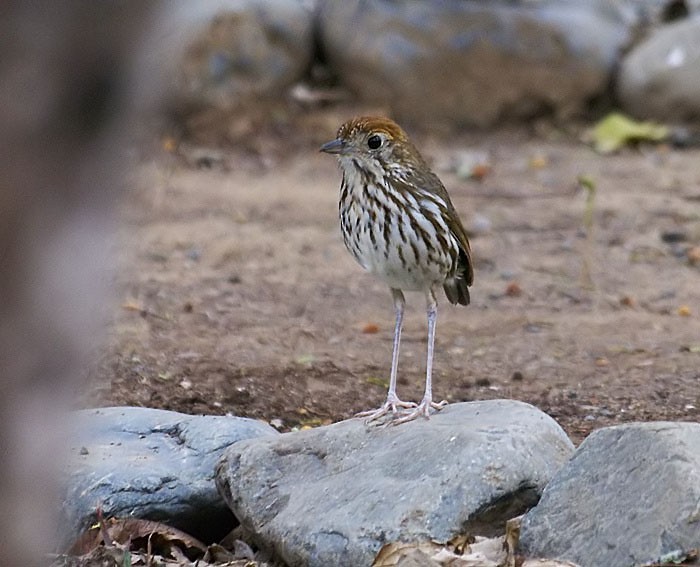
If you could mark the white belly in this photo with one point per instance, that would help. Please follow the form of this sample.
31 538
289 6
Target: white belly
403 261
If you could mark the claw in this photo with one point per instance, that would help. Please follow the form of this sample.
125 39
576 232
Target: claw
391 405
421 410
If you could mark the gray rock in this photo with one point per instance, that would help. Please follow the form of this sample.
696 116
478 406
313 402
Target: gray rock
222 53
659 78
334 495
474 62
630 494
153 464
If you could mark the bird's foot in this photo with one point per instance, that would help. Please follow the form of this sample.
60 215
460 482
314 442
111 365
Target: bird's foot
421 410
392 405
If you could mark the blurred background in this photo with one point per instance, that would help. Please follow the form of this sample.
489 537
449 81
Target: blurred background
565 132
169 230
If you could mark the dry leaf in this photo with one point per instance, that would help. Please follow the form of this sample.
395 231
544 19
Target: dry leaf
547 563
370 328
392 553
161 538
538 161
169 144
479 171
512 539
513 289
693 255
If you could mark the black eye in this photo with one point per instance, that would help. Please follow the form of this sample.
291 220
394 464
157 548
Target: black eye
374 142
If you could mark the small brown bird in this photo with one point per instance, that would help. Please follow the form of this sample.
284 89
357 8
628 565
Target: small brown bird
398 222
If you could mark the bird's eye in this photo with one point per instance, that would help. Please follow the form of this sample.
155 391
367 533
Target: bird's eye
373 142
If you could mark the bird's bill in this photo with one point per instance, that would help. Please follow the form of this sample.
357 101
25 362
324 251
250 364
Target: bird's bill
336 146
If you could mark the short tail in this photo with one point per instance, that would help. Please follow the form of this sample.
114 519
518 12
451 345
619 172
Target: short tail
457 287
457 291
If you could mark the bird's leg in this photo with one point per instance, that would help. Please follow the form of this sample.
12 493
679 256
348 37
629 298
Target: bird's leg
424 407
392 403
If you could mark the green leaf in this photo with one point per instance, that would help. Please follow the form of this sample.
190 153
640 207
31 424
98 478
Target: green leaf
616 130
306 359
377 381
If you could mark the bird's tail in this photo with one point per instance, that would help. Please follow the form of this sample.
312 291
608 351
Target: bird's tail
457 291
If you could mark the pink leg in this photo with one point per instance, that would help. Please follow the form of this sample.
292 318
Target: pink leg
427 403
392 403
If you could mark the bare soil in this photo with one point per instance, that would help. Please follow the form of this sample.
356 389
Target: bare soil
236 295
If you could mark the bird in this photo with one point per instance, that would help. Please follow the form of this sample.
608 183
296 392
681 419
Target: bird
398 222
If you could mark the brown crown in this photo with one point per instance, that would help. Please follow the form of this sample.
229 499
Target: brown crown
373 124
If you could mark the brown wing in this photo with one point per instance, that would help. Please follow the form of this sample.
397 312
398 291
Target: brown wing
456 287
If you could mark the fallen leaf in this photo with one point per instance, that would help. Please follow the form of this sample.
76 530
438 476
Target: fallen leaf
391 554
693 255
370 328
377 381
547 563
169 144
538 161
306 359
479 171
512 539
513 289
139 533
616 130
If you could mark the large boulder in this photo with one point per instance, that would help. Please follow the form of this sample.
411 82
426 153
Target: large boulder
630 495
151 464
659 78
334 495
471 62
223 53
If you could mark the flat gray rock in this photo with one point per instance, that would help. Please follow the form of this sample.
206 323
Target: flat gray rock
659 78
630 495
153 464
334 495
464 62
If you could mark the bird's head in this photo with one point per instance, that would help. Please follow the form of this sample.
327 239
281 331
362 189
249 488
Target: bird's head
374 143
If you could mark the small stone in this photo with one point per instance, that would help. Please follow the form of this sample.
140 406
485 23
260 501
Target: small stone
673 236
479 225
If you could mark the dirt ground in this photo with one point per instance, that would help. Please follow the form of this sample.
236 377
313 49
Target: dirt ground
235 293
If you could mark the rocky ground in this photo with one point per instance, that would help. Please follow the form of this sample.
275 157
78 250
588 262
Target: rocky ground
235 294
